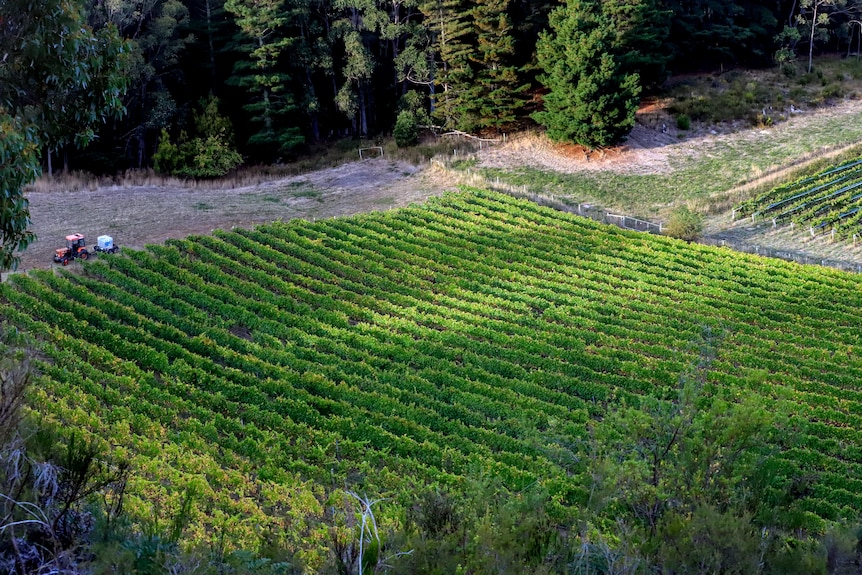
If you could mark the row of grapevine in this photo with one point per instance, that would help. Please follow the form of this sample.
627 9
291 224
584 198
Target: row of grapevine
830 201
780 196
431 343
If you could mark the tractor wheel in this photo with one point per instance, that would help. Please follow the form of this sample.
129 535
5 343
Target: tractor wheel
65 261
84 255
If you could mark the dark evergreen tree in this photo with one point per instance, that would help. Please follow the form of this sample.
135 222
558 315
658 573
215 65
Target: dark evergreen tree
206 62
640 31
590 100
709 34
495 96
264 38
453 42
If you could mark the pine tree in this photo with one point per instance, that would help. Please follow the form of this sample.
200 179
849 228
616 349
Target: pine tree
640 29
263 37
452 32
211 26
590 101
711 32
495 97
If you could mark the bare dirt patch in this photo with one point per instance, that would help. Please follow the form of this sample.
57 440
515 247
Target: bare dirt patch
653 146
140 215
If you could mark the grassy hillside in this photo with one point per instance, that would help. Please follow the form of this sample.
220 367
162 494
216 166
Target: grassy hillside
264 369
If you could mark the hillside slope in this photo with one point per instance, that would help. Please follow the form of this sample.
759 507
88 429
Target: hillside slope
425 345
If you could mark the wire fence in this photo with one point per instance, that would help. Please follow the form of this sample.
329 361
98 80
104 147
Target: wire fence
630 223
784 254
583 209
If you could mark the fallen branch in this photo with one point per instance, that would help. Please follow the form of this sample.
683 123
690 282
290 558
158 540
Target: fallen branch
462 134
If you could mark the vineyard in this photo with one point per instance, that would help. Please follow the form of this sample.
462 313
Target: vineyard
265 367
827 202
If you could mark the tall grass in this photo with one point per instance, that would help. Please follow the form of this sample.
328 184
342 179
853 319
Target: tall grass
315 158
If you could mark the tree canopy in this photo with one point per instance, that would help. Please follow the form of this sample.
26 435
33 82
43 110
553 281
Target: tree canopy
289 73
59 78
591 100
294 72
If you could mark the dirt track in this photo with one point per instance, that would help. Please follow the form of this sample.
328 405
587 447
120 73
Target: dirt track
140 215
649 149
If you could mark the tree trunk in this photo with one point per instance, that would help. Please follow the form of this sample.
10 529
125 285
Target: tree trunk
431 87
267 109
811 39
315 119
140 131
142 144
267 105
208 9
363 116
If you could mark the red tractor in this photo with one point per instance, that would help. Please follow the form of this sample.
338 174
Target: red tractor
75 249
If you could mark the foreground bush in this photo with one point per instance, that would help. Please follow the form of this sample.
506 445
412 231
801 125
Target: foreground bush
684 224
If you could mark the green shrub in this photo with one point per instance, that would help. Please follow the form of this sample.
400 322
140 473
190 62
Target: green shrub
170 157
406 130
763 121
209 155
833 91
683 122
708 540
684 224
211 158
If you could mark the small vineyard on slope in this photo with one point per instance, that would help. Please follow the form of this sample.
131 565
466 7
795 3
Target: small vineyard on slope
827 202
424 345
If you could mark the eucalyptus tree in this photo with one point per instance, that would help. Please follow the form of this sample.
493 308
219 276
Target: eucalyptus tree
59 78
817 16
157 38
353 32
377 43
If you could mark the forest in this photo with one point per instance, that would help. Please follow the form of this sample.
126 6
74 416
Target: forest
262 80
